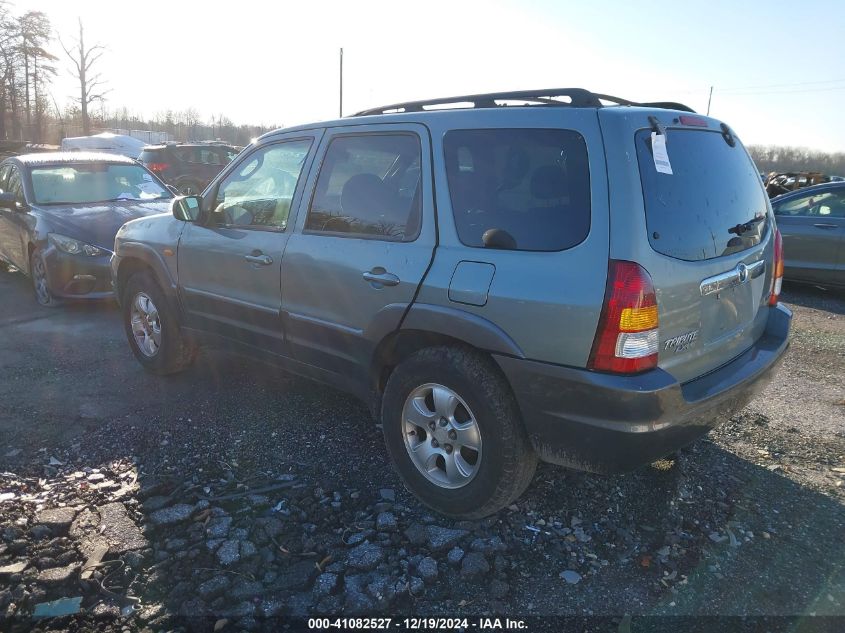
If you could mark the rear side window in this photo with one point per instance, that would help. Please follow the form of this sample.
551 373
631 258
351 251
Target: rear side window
187 154
713 203
151 156
525 189
818 204
369 186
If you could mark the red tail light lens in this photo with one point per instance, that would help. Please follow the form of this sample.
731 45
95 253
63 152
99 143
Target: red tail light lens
158 167
627 337
777 274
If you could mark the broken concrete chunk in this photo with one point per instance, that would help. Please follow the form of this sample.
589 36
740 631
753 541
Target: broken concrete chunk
173 514
14 568
57 575
58 519
119 530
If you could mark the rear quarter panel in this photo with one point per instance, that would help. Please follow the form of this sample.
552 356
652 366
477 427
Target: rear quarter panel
548 303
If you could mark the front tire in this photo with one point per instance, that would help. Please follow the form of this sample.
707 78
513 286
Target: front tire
152 327
40 283
454 433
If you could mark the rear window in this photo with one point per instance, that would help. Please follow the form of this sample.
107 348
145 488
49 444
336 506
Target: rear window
151 155
713 203
528 187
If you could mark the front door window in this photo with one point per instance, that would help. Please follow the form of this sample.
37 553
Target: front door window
258 193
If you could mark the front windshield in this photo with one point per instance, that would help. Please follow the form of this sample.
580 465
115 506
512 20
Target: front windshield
94 182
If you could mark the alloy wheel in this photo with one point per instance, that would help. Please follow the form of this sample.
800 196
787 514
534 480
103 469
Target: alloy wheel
39 280
146 325
441 435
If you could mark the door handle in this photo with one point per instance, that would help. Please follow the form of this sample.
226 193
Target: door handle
263 260
380 277
825 225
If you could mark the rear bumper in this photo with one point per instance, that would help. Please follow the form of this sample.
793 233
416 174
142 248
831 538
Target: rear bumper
78 277
607 423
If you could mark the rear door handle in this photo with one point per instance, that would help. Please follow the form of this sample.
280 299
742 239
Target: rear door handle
825 225
263 260
380 277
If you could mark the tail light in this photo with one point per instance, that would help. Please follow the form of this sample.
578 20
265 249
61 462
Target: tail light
777 275
158 167
627 337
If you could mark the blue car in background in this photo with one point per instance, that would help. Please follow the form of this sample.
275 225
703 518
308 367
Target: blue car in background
59 213
812 222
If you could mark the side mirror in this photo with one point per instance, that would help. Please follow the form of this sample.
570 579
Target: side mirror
8 201
186 208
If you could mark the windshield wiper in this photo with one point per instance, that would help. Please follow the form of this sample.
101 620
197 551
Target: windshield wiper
739 229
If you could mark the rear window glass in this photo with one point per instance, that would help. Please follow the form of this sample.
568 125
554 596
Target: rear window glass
526 189
713 203
151 155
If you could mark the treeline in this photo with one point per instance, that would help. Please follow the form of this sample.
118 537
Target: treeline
26 70
771 158
182 125
29 112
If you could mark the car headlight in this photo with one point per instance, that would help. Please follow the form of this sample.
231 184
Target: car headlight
74 247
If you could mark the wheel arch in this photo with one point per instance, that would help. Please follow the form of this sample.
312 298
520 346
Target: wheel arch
428 325
137 257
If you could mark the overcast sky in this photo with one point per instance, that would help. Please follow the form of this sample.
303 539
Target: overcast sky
777 66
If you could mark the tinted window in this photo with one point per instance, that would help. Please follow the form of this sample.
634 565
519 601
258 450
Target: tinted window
186 154
151 156
824 204
259 192
699 210
529 186
209 156
94 182
369 186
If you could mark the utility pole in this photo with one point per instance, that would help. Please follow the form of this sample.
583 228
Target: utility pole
340 109
709 99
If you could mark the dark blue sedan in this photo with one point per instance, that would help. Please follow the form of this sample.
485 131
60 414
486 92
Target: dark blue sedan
59 213
812 222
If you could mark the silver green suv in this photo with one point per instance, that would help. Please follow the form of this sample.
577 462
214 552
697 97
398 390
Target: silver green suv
551 274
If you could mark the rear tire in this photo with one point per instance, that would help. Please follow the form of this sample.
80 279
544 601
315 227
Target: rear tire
152 327
482 410
40 283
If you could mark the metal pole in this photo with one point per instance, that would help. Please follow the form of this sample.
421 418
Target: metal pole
340 109
709 99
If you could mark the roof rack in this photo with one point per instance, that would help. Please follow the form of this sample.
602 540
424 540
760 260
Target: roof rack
578 98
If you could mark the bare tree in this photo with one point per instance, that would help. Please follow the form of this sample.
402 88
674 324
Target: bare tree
90 83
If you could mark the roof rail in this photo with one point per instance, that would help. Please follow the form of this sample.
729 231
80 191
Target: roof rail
578 98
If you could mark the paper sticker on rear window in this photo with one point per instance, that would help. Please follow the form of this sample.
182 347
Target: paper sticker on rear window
661 156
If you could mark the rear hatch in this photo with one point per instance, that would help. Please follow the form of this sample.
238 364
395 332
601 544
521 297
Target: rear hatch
702 227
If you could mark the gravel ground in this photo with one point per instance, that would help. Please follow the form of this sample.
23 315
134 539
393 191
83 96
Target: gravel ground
240 494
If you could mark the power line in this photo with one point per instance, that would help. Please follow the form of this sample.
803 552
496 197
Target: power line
752 93
757 89
783 85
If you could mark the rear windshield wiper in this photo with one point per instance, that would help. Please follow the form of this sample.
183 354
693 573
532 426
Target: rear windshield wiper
739 229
